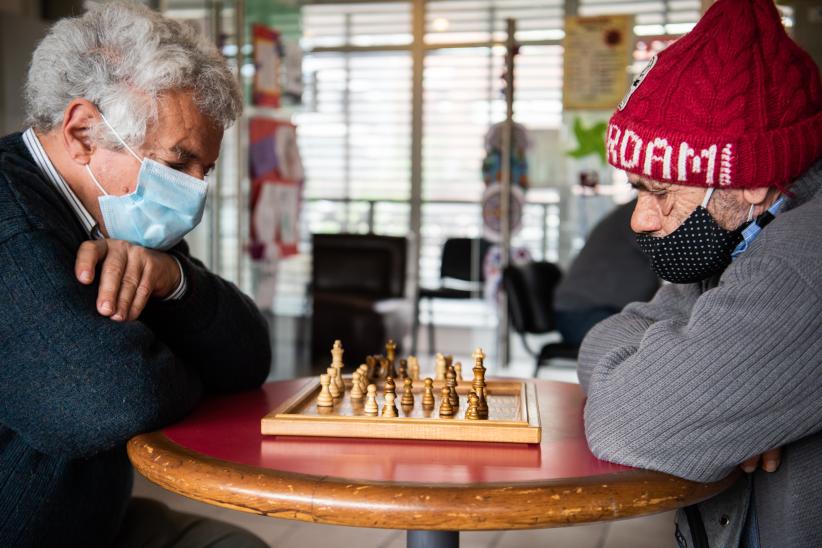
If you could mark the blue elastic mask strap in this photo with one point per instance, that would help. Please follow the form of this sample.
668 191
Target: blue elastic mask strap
752 230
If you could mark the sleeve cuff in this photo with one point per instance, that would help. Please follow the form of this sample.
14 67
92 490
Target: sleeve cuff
178 293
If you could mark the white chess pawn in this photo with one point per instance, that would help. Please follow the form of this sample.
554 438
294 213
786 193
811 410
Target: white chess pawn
356 387
439 372
325 399
371 408
388 408
332 382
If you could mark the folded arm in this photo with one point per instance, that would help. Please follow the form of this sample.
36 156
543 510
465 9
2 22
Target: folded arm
74 383
695 395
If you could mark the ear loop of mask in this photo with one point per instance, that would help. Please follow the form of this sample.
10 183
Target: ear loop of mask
114 131
707 197
122 141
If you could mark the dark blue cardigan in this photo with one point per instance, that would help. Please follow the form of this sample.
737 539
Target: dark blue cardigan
75 386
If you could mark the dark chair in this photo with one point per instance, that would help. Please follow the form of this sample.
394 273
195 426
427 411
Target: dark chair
461 277
353 276
530 291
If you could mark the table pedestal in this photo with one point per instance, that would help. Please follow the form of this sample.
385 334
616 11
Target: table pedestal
433 539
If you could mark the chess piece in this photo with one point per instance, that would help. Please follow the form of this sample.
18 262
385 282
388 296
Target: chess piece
413 368
439 367
388 408
325 399
458 370
479 383
389 387
356 387
449 361
332 382
403 369
370 364
451 383
407 393
371 408
386 368
363 377
445 405
391 351
428 394
472 413
337 364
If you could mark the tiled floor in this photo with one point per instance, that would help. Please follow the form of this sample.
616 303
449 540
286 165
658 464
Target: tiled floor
648 532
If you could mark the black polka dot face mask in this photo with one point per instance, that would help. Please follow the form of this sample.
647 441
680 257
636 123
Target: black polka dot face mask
698 249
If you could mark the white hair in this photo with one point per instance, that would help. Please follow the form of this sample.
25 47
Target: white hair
121 57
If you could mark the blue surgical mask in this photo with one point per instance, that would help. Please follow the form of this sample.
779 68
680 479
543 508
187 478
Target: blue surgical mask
166 205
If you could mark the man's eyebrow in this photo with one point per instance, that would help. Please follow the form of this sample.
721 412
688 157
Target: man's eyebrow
186 156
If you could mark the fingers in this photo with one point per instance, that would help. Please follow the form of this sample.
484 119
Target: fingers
750 465
131 280
111 276
141 295
771 459
88 255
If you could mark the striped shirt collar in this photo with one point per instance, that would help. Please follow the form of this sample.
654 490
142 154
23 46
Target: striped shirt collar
42 160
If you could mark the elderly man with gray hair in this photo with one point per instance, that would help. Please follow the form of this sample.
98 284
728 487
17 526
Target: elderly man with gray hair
108 327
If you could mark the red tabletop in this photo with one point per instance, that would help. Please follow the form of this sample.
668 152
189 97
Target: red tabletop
228 428
217 455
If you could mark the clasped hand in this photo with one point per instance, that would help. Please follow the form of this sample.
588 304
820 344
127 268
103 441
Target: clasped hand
129 276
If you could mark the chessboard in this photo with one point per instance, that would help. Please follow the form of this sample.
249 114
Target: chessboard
366 404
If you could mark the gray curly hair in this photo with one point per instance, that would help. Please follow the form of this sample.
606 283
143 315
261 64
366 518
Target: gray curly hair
121 56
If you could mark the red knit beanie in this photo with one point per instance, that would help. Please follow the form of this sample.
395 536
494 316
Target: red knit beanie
735 103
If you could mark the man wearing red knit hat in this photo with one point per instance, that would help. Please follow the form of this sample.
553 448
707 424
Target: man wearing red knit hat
722 136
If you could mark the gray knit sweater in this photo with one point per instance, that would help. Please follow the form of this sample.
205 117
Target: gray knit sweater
706 375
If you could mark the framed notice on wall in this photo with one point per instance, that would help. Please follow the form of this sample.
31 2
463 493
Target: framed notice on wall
597 55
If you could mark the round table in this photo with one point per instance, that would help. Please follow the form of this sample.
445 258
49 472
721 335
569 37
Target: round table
433 489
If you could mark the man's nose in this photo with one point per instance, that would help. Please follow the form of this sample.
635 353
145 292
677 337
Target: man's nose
646 217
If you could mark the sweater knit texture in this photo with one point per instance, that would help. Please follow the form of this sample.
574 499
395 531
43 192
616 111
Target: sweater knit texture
707 375
75 386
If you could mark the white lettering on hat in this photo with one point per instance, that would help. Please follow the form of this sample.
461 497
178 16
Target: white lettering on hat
637 152
650 157
613 140
636 82
632 155
685 152
710 155
725 165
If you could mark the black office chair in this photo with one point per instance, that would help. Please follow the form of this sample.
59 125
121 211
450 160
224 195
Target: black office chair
461 277
351 274
530 291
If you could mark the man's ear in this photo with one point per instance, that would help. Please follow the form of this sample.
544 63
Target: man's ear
79 120
755 196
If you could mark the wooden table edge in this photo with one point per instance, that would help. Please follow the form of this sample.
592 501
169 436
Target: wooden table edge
392 505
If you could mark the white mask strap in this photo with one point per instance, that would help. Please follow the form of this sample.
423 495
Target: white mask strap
707 197
114 131
96 182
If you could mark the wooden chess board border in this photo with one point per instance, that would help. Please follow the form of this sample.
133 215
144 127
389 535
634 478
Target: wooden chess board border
285 420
